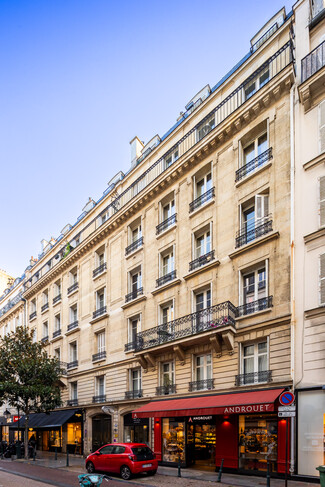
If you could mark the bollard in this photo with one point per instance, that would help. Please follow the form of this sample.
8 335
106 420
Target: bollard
67 457
268 476
179 466
220 472
56 453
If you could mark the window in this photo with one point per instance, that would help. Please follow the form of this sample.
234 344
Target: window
135 283
45 329
135 239
203 185
317 6
202 243
100 385
57 322
101 347
202 373
100 258
34 335
167 262
254 219
167 376
171 158
74 314
203 191
136 233
322 201
134 326
57 353
254 363
57 288
100 299
168 210
322 279
33 305
254 295
135 384
74 390
202 305
166 312
205 127
167 213
74 277
256 83
254 149
73 352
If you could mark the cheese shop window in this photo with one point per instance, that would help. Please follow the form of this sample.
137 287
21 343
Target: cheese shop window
173 444
258 442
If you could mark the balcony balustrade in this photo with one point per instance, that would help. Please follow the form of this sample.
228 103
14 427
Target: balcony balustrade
134 246
99 312
72 365
201 385
253 378
194 205
166 278
57 298
133 394
250 233
255 306
73 325
44 307
313 62
169 222
45 339
57 333
254 164
99 270
165 390
72 402
99 356
72 288
101 398
32 315
134 294
209 319
201 261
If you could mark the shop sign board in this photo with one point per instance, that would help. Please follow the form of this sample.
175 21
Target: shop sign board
287 398
200 418
286 414
286 408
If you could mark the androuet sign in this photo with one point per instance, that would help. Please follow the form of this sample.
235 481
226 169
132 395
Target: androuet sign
254 408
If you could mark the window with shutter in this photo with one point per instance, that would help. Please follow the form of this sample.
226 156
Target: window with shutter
322 279
322 201
322 126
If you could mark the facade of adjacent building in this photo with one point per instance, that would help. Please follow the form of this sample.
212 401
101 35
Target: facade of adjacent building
170 300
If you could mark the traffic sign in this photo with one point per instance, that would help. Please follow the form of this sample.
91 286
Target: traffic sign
286 408
286 398
286 414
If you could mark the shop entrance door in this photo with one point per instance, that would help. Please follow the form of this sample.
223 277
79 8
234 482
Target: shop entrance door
101 426
201 442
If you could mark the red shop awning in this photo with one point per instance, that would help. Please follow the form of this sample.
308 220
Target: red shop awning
236 403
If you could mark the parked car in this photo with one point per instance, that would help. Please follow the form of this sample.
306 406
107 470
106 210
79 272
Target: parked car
126 459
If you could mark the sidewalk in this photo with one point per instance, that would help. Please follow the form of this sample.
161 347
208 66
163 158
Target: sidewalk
202 477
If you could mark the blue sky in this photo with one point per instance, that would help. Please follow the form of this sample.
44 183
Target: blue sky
79 79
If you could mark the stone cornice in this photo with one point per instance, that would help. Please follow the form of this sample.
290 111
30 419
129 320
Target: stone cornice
314 162
314 235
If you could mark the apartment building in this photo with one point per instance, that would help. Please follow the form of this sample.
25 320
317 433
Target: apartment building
177 299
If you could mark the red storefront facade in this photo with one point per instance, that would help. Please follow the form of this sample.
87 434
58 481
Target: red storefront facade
243 429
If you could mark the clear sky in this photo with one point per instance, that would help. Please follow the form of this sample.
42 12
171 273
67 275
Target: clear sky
80 78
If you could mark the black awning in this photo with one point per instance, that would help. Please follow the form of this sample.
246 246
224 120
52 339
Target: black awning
55 419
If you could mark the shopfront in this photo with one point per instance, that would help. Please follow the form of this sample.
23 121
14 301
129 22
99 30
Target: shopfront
136 430
242 429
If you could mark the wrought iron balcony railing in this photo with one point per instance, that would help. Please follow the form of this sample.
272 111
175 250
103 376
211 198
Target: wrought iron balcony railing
313 62
165 390
130 346
99 356
32 315
166 278
99 312
73 325
134 246
99 269
45 339
255 306
253 378
134 294
72 365
57 333
72 288
201 200
133 394
254 164
63 367
101 398
200 385
72 402
166 224
57 298
45 307
202 260
253 231
208 319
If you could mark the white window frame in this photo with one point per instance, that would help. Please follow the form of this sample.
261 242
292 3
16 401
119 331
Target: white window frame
260 203
100 382
57 321
132 381
74 391
255 355
99 293
170 254
136 226
321 193
244 273
170 305
73 351
101 341
257 82
171 158
170 206
205 127
45 297
170 373
208 245
137 271
45 329
73 312
131 320
205 366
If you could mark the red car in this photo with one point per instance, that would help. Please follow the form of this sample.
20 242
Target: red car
123 458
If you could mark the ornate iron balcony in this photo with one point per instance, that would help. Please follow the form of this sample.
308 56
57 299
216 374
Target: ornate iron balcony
99 312
57 298
208 319
72 365
33 315
101 398
253 378
200 385
165 390
45 339
166 278
133 394
99 269
166 224
72 402
202 199
73 325
202 260
99 356
45 307
134 294
253 231
72 288
134 246
255 306
130 346
57 333
254 164
313 62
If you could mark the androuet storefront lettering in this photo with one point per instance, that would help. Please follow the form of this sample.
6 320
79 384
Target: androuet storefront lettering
256 408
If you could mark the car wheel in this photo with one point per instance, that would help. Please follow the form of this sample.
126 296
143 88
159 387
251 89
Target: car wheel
152 472
126 473
90 467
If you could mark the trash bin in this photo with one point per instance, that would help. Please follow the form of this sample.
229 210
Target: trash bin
321 470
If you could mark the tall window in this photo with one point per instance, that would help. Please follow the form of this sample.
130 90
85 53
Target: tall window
135 281
135 380
168 210
57 322
322 201
57 288
255 362
73 276
167 375
203 185
256 83
101 346
74 390
167 312
57 353
205 127
202 305
203 368
322 279
45 329
100 385
74 313
254 214
100 299
202 243
134 327
167 262
255 148
254 289
172 157
73 356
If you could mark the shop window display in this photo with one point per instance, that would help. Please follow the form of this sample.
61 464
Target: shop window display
173 433
258 442
74 437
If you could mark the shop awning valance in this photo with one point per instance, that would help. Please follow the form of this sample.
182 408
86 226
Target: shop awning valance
55 419
235 403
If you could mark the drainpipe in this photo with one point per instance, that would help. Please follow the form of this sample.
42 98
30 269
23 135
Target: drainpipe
292 265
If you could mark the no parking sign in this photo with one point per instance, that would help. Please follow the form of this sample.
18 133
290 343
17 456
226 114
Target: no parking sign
287 398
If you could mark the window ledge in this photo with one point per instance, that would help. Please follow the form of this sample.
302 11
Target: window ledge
315 312
135 251
32 319
205 267
251 174
161 234
57 302
72 331
73 292
169 284
98 318
99 360
254 243
257 313
203 206
314 235
45 310
134 301
59 337
314 162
